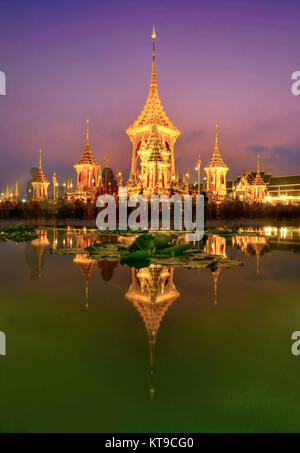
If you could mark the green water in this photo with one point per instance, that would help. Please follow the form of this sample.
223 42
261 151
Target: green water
222 362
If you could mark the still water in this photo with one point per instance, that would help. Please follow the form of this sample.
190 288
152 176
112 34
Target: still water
98 346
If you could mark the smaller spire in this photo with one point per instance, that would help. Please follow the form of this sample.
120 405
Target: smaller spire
40 163
17 189
106 160
258 163
216 143
87 132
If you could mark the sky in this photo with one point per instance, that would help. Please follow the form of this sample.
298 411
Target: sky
226 61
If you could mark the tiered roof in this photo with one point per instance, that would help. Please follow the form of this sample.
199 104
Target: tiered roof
216 159
154 146
153 111
258 181
40 176
87 157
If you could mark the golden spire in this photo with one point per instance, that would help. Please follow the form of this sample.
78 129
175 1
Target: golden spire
17 189
153 111
216 159
106 160
258 181
7 192
40 163
87 133
216 142
153 82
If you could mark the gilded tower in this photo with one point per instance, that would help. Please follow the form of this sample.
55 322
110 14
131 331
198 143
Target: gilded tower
87 169
216 171
258 186
40 184
153 137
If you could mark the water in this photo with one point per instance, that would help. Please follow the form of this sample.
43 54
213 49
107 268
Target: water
87 351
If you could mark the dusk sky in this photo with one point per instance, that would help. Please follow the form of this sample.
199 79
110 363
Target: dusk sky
226 61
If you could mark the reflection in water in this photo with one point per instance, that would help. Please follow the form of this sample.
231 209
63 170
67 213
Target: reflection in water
152 292
216 245
34 254
86 266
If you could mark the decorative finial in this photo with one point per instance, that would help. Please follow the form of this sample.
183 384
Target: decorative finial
258 163
153 33
216 144
153 82
106 160
87 132
40 163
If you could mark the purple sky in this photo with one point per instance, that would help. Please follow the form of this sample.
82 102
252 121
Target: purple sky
226 61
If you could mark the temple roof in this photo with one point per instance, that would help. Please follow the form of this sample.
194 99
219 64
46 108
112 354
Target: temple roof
258 181
153 111
154 146
216 159
87 157
40 176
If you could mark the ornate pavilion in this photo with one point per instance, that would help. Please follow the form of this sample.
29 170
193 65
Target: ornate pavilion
153 136
40 184
152 171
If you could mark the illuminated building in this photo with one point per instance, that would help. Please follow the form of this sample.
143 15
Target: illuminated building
216 175
153 137
40 184
88 171
258 186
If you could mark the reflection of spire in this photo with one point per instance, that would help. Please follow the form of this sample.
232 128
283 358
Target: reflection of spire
40 245
257 243
216 275
152 292
86 267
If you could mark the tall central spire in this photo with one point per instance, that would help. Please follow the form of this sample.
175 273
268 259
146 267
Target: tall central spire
153 111
153 82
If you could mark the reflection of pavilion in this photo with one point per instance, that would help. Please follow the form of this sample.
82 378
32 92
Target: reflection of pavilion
216 245
248 243
86 267
152 292
258 243
40 245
